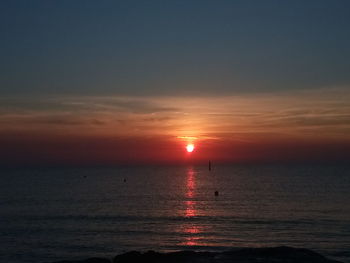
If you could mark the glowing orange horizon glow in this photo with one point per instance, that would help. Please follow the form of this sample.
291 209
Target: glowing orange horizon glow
190 147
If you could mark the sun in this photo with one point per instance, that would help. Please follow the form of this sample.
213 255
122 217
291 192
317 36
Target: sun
190 148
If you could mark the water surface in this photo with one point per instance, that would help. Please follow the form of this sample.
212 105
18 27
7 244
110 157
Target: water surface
55 214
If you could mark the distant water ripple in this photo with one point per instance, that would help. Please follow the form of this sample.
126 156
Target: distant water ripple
56 214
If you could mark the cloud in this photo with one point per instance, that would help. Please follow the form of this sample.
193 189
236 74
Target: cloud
306 125
309 113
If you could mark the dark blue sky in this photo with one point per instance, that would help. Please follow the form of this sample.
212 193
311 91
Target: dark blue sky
172 47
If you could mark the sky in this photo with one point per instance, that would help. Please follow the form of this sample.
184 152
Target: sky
114 82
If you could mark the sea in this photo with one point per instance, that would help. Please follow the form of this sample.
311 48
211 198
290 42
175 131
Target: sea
51 214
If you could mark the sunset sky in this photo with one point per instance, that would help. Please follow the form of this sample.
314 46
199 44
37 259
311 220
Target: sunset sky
119 82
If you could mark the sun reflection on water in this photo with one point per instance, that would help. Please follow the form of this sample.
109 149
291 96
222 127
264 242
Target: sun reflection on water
191 230
190 209
190 183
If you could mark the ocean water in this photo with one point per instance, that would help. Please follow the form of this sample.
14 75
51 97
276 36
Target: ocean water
74 213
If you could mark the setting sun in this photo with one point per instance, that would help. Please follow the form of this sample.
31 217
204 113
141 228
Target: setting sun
190 148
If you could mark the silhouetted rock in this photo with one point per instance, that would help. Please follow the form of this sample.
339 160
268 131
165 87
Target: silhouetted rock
89 260
242 255
276 254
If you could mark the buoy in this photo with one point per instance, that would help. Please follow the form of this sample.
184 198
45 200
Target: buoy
216 193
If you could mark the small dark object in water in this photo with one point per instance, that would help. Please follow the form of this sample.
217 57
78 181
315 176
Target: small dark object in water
124 180
209 166
84 176
216 193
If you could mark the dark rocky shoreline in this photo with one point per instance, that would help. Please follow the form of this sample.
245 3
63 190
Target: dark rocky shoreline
243 255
